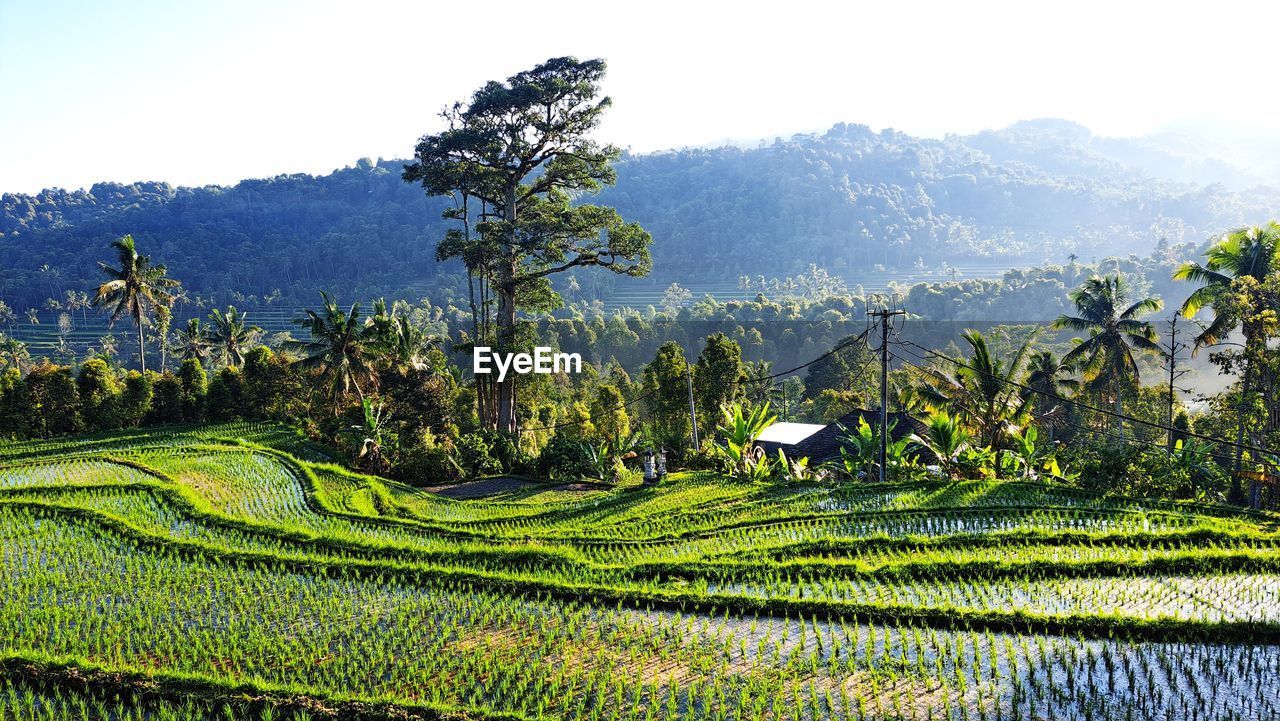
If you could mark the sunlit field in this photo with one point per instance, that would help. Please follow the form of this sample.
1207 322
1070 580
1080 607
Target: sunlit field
229 571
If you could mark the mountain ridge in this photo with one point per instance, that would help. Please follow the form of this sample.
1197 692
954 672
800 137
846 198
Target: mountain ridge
851 199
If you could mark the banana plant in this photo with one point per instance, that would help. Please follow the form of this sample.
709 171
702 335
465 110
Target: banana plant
1192 461
794 470
946 439
739 431
1025 456
860 452
604 460
367 437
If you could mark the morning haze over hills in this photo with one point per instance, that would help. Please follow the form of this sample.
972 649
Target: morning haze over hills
858 203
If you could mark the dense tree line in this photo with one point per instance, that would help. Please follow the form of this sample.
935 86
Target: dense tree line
381 388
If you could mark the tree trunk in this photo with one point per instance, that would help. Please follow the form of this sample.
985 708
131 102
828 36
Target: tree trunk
1119 414
506 338
142 350
507 317
1246 385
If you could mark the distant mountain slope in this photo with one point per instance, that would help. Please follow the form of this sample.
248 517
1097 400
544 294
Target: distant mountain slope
850 200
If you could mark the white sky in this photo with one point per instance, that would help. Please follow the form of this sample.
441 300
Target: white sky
212 92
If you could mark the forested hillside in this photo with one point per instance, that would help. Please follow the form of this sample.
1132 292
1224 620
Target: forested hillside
851 200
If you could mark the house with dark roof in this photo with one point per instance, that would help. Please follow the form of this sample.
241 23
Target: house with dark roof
821 443
786 436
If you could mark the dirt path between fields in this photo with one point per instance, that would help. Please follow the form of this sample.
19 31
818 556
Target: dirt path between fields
481 487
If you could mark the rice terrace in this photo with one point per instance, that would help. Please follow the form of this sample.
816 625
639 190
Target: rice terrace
226 570
573 361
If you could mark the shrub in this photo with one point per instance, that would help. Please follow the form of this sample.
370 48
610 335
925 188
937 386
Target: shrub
166 403
503 450
565 459
475 456
425 465
708 458
135 399
1106 465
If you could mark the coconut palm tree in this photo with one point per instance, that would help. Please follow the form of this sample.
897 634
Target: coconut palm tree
137 289
341 348
405 344
760 388
1048 376
109 347
13 353
982 392
1107 356
75 301
1248 252
401 343
192 342
1244 253
64 353
230 335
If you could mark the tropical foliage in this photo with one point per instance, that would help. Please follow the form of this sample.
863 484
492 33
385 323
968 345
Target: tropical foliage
1115 331
136 289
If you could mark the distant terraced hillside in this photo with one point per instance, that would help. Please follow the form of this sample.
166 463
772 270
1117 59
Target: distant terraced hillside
227 570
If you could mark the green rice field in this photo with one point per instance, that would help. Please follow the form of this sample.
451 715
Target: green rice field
231 572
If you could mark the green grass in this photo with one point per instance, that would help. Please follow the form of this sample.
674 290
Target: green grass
212 571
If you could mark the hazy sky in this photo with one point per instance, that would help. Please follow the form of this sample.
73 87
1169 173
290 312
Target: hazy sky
211 92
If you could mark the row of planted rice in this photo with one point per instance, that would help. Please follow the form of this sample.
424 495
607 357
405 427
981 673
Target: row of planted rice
218 558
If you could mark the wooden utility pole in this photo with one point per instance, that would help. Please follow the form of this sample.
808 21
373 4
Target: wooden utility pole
693 413
882 316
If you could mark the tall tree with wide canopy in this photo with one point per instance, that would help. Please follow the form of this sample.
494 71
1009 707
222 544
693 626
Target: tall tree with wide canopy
1115 332
717 377
665 389
1243 255
137 289
521 150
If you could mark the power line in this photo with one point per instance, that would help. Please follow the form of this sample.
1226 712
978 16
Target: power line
839 347
1086 406
1088 429
861 337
